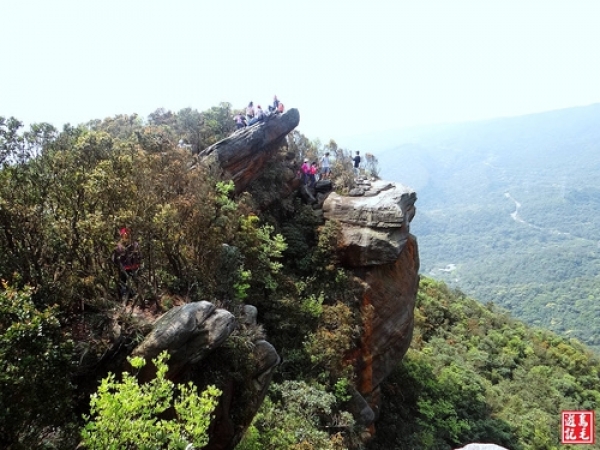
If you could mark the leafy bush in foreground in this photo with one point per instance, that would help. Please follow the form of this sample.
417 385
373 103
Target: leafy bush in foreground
127 415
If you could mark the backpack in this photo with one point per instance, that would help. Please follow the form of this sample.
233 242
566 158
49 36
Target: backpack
130 257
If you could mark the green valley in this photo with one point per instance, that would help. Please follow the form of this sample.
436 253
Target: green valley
509 211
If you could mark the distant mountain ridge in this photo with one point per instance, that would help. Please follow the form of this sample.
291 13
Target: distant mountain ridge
509 211
510 140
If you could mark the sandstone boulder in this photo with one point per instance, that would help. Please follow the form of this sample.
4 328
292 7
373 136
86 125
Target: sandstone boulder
388 302
375 223
377 245
188 333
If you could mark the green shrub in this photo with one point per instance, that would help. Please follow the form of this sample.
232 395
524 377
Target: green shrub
127 415
297 415
35 391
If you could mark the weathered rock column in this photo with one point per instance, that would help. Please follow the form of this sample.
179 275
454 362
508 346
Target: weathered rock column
377 245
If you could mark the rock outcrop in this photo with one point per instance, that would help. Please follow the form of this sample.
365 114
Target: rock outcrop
243 156
375 225
377 245
187 333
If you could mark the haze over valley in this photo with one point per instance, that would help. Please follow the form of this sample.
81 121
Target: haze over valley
509 211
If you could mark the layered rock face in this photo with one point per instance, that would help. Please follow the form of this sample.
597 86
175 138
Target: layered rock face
377 245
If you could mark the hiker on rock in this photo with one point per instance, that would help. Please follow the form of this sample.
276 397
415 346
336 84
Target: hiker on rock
312 174
325 167
277 106
356 160
240 121
259 116
250 111
305 171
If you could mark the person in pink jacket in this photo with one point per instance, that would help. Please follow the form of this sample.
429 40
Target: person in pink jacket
305 171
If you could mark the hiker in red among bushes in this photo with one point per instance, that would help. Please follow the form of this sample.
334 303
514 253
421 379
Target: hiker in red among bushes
128 258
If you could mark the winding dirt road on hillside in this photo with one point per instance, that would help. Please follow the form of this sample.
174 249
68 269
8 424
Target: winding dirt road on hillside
515 216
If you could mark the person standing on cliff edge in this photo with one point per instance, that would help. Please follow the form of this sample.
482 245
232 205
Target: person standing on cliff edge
356 160
325 167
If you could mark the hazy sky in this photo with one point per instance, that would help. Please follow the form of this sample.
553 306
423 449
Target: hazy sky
350 67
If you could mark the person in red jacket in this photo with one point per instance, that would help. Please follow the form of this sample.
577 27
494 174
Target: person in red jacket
128 258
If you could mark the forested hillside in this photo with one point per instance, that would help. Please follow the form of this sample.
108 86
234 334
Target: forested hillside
509 211
473 373
65 198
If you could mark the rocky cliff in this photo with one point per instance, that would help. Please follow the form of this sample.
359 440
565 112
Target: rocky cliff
376 245
379 248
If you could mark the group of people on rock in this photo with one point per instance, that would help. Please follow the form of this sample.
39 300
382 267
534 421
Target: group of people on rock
309 171
257 114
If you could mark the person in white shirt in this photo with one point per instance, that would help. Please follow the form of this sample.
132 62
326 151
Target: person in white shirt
325 167
250 111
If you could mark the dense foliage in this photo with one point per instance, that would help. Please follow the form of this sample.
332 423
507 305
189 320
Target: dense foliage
127 415
475 374
35 361
297 415
63 197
